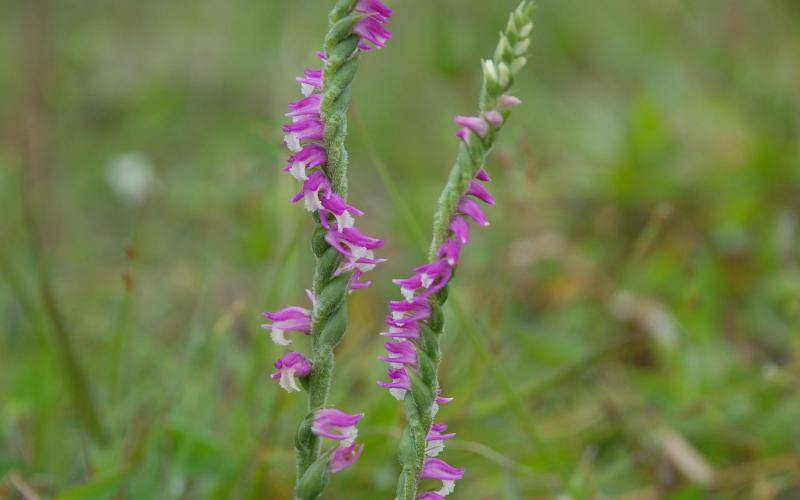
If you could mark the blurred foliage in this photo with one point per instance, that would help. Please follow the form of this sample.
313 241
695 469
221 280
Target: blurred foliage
626 328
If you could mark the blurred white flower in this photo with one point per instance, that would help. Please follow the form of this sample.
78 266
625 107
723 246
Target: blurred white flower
649 314
131 177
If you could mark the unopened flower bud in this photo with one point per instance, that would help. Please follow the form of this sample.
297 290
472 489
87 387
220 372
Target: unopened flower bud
504 75
517 64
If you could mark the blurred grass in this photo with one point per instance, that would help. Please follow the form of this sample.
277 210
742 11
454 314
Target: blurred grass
639 287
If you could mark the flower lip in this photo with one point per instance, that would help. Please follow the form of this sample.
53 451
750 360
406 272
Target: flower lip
313 155
295 361
289 366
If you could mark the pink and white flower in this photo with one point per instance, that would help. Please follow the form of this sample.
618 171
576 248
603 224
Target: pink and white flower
290 366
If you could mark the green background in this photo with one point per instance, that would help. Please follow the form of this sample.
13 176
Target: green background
627 327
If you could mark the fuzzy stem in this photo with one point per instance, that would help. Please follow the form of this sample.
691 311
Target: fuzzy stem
329 319
508 59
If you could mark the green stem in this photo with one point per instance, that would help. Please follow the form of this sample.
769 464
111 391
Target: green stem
329 318
471 157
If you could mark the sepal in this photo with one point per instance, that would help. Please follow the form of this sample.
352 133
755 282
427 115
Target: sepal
313 481
304 438
334 328
423 395
340 30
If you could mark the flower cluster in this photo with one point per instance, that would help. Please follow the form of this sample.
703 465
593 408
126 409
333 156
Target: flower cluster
307 162
305 140
372 27
334 424
404 322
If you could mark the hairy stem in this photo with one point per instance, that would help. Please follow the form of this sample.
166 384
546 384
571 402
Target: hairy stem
329 319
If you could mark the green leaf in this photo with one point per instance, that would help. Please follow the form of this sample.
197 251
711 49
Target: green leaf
100 487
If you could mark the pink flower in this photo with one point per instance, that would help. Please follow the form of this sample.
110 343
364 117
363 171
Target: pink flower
344 456
375 7
344 214
460 228
406 312
474 123
399 383
400 353
315 187
309 156
289 366
440 400
307 106
433 468
477 190
469 208
507 101
310 81
494 117
409 331
450 251
335 424
483 175
290 319
304 128
372 28
436 438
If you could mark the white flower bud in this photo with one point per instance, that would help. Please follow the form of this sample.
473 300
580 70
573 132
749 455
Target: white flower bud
511 28
503 48
489 71
526 30
504 75
522 47
517 64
